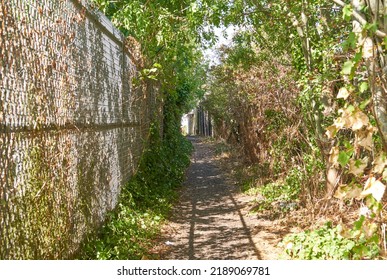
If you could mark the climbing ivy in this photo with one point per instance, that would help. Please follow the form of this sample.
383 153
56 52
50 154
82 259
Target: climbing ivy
359 130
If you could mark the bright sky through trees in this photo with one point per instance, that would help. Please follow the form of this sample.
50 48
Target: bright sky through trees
224 37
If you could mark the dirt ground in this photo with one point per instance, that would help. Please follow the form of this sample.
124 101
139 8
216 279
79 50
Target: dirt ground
212 219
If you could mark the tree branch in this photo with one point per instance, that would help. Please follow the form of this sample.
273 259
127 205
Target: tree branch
361 19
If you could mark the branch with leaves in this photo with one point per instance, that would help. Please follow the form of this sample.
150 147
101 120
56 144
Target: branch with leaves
359 17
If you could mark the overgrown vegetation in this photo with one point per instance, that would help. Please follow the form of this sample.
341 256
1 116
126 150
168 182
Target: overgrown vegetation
300 90
332 243
144 202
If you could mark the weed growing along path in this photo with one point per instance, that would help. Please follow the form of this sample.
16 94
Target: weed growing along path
210 221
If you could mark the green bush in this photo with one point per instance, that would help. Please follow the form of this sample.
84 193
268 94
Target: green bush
327 243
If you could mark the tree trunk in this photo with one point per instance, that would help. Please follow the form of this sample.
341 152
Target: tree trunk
376 65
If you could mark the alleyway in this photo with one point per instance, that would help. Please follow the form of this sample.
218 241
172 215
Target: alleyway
209 222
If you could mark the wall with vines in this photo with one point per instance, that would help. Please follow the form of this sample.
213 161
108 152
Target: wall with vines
72 124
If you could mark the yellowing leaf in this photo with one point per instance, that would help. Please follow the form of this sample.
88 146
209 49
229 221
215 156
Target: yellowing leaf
352 118
347 192
331 131
364 137
345 119
379 163
340 193
366 142
358 120
356 167
375 188
340 122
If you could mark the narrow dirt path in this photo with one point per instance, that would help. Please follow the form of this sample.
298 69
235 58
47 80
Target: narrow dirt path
210 221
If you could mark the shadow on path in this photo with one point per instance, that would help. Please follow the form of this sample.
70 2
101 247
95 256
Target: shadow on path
208 221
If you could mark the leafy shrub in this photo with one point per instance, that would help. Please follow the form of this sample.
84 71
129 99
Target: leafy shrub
327 243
